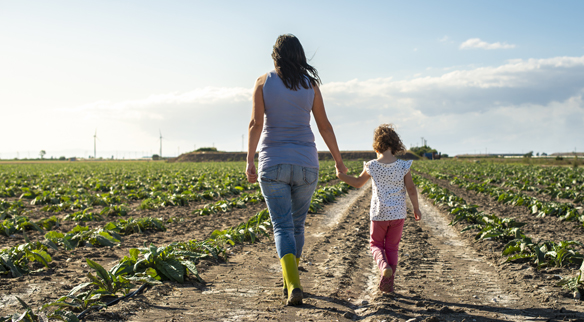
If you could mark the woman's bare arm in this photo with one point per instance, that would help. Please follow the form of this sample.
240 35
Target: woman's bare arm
326 129
256 126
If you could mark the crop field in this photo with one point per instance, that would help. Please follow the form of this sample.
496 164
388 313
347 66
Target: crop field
522 213
101 241
155 222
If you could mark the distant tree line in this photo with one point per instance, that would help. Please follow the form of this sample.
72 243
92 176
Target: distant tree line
420 150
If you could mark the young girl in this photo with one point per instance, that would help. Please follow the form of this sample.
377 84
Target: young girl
391 180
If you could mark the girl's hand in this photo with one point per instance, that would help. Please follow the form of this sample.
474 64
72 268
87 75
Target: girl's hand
417 214
250 172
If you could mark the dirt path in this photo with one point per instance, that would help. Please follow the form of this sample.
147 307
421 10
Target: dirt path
441 277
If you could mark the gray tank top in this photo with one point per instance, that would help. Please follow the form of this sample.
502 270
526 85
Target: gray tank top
287 137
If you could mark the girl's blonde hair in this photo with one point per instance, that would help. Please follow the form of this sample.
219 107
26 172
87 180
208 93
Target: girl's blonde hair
386 138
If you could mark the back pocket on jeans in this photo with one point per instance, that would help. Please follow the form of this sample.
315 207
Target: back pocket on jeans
270 174
310 175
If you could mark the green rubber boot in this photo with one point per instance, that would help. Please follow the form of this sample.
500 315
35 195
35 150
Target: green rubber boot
292 279
285 287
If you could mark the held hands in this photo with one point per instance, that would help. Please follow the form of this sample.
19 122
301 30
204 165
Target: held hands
341 168
417 214
251 173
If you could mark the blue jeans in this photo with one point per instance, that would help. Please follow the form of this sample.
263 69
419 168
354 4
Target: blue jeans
288 191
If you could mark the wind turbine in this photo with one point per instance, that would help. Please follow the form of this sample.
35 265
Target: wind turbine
160 143
95 144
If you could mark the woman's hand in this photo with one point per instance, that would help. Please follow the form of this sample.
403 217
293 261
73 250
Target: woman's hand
341 168
251 173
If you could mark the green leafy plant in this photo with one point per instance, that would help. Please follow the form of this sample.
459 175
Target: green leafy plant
80 236
468 213
168 263
77 302
248 231
17 260
84 215
574 284
544 253
46 198
227 205
106 282
131 225
18 224
493 227
10 209
327 195
29 315
115 210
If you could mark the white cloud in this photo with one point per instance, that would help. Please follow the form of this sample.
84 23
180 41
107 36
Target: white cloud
526 105
532 81
457 110
532 104
150 107
478 43
443 39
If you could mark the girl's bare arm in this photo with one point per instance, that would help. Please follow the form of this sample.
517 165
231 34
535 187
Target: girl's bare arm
352 181
411 188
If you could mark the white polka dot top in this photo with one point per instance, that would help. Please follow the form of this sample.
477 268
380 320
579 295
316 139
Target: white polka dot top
388 201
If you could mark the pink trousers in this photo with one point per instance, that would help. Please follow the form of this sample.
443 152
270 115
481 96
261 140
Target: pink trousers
384 242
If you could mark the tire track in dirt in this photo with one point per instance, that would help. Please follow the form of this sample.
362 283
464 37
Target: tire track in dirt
441 277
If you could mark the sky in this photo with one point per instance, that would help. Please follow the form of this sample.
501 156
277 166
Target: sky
468 76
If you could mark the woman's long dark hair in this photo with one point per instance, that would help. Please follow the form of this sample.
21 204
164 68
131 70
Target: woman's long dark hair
291 65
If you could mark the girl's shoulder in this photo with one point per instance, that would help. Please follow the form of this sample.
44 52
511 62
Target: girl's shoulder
367 166
370 163
406 165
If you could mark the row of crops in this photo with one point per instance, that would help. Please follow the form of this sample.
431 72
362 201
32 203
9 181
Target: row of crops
552 182
79 187
501 183
94 192
492 180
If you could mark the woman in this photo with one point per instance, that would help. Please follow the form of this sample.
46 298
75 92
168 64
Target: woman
288 161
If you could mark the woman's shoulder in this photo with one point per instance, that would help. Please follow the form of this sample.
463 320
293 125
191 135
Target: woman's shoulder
262 79
260 82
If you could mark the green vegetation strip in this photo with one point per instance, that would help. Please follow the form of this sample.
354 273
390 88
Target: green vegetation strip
76 187
518 246
556 182
17 260
540 208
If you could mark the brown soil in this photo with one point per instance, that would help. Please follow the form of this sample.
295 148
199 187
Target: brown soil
442 276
